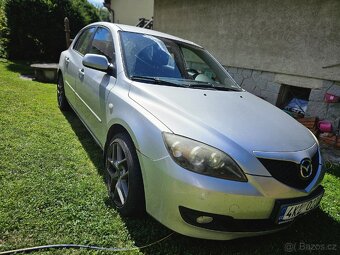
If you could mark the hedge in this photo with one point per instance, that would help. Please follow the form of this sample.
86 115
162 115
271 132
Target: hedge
3 30
36 27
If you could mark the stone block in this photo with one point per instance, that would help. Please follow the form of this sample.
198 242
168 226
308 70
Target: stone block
269 96
238 78
246 73
273 87
333 111
248 84
317 109
239 70
317 95
267 76
262 84
257 91
256 74
334 90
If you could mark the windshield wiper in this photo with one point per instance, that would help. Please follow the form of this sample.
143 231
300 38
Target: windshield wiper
202 86
207 85
154 80
212 86
227 88
182 83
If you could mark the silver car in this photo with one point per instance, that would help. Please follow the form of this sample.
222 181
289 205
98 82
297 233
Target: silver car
182 140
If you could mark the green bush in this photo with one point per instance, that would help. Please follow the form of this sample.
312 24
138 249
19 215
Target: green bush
3 30
36 27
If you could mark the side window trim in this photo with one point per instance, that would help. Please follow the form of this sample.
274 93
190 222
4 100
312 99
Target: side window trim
111 37
76 40
90 41
108 30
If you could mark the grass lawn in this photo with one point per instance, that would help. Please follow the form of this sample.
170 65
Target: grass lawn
52 189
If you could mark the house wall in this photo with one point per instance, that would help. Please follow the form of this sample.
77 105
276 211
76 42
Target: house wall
292 37
267 42
129 11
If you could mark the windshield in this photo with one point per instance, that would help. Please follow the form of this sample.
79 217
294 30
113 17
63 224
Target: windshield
150 59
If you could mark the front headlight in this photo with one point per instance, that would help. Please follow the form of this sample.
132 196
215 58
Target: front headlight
201 158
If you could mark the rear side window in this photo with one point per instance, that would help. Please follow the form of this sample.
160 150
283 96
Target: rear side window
102 44
82 44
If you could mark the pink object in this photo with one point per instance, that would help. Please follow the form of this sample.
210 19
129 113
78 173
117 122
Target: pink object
325 126
329 98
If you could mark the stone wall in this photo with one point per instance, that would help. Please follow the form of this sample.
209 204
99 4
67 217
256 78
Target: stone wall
260 83
265 85
318 107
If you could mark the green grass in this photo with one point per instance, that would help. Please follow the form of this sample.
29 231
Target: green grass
52 189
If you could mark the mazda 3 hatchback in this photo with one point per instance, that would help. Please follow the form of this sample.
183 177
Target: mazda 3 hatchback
182 140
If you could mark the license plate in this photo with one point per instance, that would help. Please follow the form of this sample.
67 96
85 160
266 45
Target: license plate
291 211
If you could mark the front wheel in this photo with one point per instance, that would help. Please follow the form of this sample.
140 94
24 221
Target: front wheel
123 176
61 97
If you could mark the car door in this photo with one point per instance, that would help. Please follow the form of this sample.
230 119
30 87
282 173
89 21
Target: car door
94 85
73 59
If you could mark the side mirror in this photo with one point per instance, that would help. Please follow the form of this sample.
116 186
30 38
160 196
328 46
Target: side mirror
98 62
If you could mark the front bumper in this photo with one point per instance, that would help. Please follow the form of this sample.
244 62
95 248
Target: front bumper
175 196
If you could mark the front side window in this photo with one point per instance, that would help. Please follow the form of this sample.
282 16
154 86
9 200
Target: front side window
158 59
82 43
102 44
197 67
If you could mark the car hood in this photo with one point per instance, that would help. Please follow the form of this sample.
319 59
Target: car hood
236 117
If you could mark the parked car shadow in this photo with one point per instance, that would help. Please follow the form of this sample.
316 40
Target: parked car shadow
316 228
334 170
92 149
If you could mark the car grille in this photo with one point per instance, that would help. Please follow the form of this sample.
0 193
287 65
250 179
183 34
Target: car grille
288 172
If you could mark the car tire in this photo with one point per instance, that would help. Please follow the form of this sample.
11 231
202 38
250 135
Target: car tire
61 96
123 176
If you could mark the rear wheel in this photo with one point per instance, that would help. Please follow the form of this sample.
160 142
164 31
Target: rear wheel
61 97
123 176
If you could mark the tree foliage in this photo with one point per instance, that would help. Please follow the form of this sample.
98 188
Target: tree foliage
3 30
104 14
36 27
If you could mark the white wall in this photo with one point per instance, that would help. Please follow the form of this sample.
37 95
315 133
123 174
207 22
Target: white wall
129 11
291 37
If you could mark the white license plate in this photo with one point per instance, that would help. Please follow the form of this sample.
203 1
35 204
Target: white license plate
289 212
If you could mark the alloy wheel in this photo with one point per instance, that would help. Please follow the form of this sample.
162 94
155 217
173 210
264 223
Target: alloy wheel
117 167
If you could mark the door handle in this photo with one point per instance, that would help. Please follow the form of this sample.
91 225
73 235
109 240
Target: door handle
81 73
67 60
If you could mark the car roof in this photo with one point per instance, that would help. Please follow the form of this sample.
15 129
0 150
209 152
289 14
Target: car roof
127 28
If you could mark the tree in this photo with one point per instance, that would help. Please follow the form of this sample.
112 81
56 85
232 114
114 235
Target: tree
36 27
104 14
3 30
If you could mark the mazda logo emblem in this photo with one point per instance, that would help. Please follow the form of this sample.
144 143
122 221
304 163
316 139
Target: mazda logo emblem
306 168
